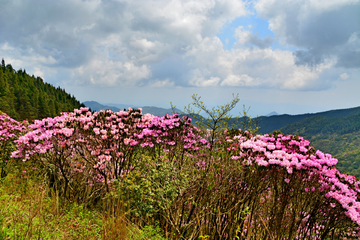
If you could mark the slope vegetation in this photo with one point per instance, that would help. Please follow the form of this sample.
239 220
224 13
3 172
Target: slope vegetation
339 136
25 97
272 123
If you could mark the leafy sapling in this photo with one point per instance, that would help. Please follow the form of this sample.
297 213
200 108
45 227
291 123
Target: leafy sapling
218 118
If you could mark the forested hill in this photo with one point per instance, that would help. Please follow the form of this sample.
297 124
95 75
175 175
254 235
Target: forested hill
324 125
339 136
27 97
271 123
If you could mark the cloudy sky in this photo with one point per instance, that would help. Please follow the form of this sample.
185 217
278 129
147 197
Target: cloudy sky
278 55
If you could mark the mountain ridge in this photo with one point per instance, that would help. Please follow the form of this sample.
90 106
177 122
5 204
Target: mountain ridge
157 111
339 136
269 124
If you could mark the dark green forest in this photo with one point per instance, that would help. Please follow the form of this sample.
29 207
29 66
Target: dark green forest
25 97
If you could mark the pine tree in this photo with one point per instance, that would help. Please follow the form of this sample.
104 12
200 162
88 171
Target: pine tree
43 107
2 84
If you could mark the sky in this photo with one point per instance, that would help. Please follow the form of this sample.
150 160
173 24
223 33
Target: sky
287 56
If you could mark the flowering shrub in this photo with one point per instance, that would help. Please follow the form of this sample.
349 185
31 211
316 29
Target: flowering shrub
270 186
242 186
103 146
295 154
296 161
10 130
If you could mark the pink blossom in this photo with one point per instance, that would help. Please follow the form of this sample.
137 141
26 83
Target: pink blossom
96 131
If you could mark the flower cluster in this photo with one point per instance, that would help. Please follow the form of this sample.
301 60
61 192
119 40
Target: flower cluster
10 130
294 154
107 141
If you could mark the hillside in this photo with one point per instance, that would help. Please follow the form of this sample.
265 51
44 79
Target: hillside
271 123
27 97
339 136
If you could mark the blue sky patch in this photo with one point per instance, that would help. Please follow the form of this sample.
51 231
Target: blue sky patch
251 23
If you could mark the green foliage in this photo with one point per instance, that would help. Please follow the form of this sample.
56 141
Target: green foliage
25 97
30 211
150 232
218 118
6 149
152 187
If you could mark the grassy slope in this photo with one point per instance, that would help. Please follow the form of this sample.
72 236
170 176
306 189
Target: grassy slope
29 210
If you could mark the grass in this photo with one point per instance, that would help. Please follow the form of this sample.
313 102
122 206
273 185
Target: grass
29 210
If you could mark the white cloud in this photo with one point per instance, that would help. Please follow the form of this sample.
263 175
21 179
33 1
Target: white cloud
238 81
38 72
254 67
110 73
6 47
242 35
111 42
344 76
162 84
320 28
201 82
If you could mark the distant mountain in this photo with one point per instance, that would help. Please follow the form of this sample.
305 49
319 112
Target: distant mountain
95 106
268 124
158 111
120 106
272 114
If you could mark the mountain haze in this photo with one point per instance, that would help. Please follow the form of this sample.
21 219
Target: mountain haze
95 106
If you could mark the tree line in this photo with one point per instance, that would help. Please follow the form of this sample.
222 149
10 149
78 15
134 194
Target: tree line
25 97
